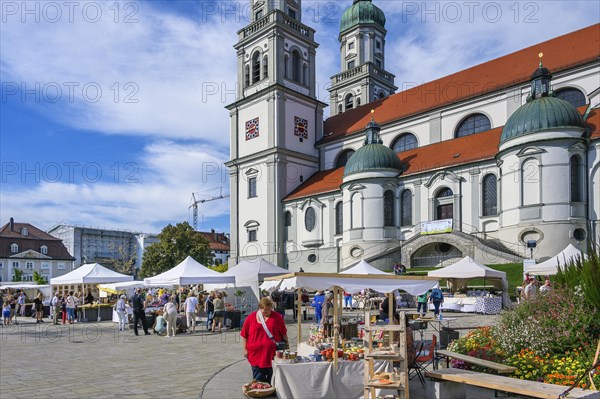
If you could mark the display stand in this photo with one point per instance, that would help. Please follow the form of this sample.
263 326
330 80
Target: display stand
393 354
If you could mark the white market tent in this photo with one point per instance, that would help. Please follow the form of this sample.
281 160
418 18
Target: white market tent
363 267
90 273
550 267
249 274
30 289
467 268
189 271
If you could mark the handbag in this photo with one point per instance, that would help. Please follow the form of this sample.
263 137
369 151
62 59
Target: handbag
280 345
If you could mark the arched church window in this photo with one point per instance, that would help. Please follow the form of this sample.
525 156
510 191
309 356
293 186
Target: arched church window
247 75
349 102
296 66
310 219
288 225
358 101
286 66
489 195
576 179
572 95
339 218
381 95
388 208
472 124
530 182
406 141
340 108
265 67
255 67
406 208
343 158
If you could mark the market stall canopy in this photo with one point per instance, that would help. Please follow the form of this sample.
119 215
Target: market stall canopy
550 267
352 283
254 270
363 267
90 273
467 268
30 289
189 271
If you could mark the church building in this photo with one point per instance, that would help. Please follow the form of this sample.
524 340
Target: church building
490 162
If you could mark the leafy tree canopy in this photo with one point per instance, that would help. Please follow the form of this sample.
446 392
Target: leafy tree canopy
39 280
175 244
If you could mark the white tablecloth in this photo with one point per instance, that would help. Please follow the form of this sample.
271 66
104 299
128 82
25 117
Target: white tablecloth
489 305
319 379
115 316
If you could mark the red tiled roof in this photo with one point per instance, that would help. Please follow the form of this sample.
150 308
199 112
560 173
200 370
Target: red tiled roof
216 241
319 183
576 48
32 241
476 147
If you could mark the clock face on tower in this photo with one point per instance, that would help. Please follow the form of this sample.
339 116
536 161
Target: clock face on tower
252 129
300 127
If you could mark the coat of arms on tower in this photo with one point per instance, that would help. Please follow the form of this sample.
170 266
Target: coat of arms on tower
300 127
252 129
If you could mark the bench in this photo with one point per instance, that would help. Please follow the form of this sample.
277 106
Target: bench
450 384
499 368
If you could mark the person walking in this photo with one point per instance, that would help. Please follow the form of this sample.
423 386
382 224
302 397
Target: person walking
219 314
39 308
137 303
170 314
70 304
209 308
260 333
191 305
6 313
121 309
317 303
422 304
437 298
56 302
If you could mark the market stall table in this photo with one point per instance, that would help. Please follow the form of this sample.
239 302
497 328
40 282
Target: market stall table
320 380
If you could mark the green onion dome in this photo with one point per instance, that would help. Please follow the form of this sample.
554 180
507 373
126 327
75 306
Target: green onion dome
362 12
373 155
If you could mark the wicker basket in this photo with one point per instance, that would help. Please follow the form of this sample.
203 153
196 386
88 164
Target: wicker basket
257 393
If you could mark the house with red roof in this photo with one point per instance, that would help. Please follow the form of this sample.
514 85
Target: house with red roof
26 248
485 162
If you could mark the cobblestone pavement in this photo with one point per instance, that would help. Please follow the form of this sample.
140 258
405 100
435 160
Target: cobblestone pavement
94 360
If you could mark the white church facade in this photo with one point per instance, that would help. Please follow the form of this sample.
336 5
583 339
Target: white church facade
477 163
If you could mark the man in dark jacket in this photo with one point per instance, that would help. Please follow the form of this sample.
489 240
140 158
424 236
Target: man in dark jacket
137 302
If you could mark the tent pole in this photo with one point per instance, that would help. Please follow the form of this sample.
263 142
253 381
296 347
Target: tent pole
299 317
391 307
335 326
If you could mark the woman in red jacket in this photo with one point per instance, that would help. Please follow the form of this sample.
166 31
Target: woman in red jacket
259 349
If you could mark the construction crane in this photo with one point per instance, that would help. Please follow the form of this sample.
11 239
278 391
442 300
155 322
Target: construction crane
196 201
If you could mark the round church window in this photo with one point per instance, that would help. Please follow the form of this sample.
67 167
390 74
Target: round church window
444 247
579 234
312 258
310 219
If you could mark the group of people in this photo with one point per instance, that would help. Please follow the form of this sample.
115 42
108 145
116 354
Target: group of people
166 318
13 304
529 288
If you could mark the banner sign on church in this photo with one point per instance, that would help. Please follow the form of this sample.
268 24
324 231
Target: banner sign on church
436 227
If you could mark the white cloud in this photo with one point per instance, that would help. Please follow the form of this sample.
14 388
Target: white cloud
151 74
161 193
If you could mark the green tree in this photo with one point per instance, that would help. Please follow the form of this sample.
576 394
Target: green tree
38 279
222 268
175 244
18 276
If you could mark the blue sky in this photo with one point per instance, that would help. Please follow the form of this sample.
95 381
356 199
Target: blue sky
112 113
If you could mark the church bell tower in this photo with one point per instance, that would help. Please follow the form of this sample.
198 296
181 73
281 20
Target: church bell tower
275 123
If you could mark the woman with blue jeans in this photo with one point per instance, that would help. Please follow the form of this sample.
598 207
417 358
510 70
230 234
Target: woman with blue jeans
71 307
